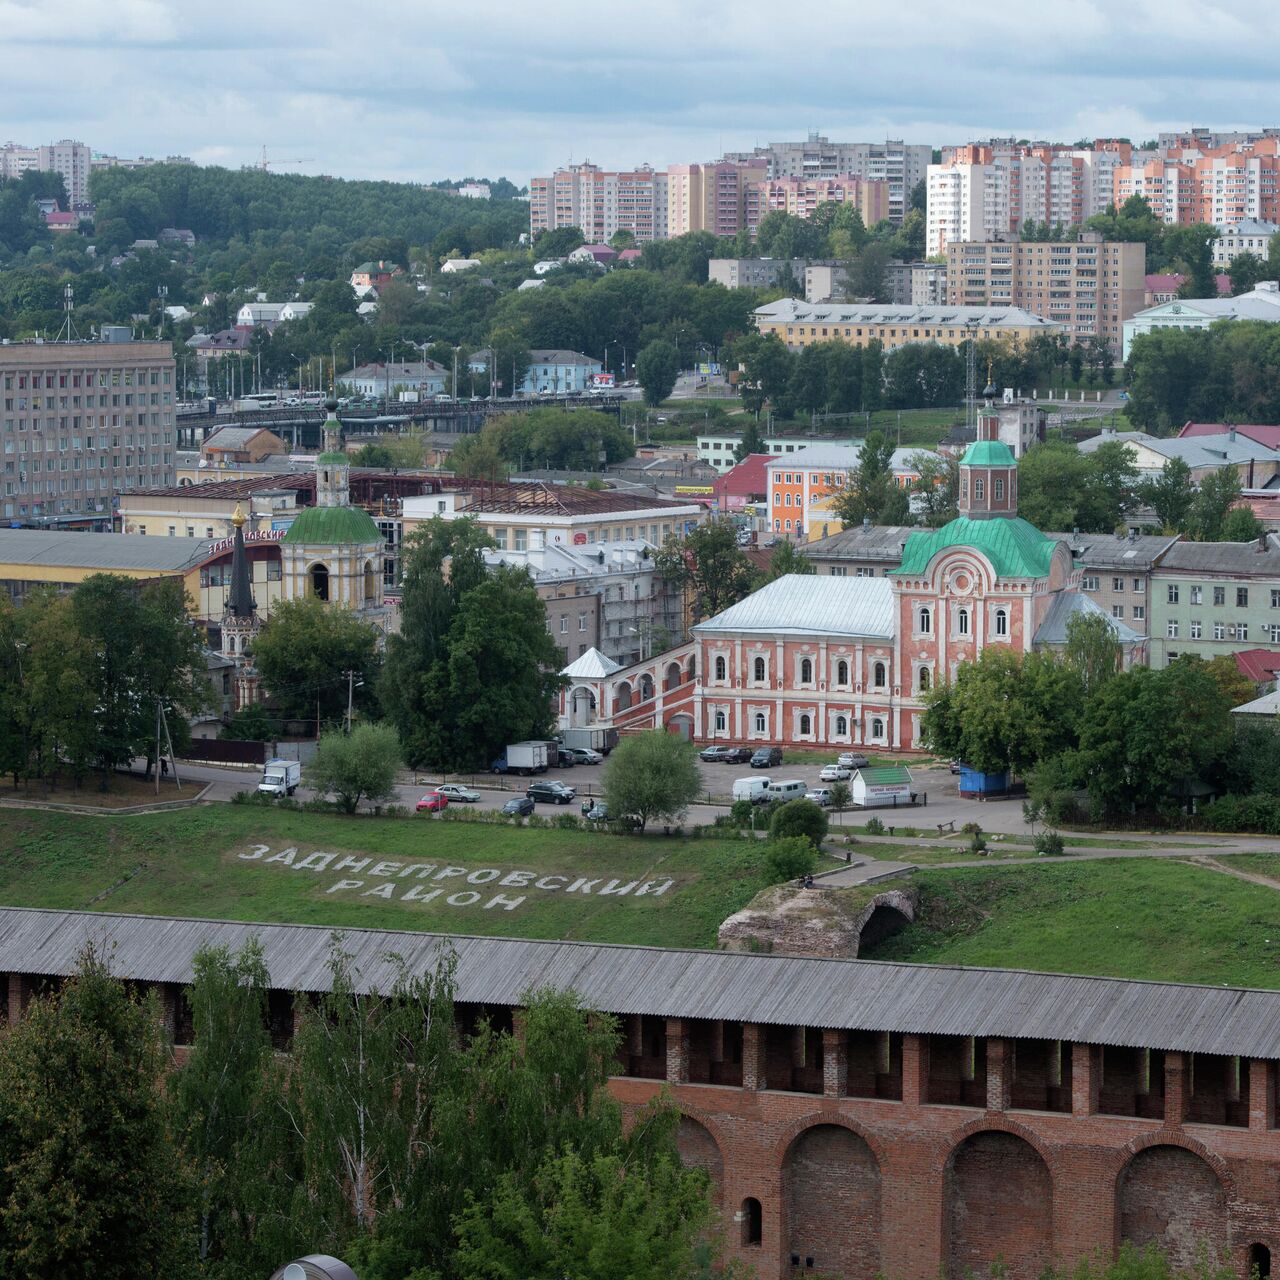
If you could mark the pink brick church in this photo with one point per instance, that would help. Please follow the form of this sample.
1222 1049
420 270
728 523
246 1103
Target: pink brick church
838 661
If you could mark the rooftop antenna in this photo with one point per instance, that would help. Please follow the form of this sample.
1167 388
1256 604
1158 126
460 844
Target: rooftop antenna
68 331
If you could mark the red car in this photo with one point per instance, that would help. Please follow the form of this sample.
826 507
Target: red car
432 802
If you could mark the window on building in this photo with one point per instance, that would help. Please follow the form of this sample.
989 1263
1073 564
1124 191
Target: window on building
722 722
1139 612
1219 595
922 681
1173 593
1197 595
998 489
758 670
1117 611
806 671
842 726
759 722
925 622
878 675
1219 630
582 622
1002 622
877 728
1089 582
978 487
842 672
320 582
806 725
1242 631
1117 584
722 669
1139 586
962 622
1242 597
564 623
1195 628
1171 630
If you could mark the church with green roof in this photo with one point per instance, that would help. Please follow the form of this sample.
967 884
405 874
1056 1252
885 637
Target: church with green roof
333 550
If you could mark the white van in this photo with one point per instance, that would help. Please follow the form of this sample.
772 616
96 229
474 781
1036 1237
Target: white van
785 789
753 789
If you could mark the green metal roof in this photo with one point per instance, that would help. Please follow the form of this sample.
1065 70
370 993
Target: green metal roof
328 526
988 453
1015 548
885 775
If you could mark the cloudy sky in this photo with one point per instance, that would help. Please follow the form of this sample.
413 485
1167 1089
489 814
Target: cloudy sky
418 90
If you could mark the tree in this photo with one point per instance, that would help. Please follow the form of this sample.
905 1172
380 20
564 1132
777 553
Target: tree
841 798
1170 495
788 558
1092 651
799 818
1219 491
752 441
710 566
937 491
89 1181
1245 270
652 775
871 492
227 1115
657 368
355 766
303 655
1240 525
789 858
588 1218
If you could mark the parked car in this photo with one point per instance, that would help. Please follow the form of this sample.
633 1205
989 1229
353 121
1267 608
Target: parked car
433 802
766 757
581 755
595 811
835 773
819 795
954 765
550 792
853 760
715 755
738 755
520 805
457 792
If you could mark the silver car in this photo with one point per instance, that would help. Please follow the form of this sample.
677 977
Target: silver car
819 795
456 792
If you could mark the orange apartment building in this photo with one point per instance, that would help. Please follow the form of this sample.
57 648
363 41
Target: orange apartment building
1221 185
800 197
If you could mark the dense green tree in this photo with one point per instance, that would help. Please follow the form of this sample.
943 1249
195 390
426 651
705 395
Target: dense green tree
1189 251
937 491
752 441
1245 270
764 368
787 558
1092 651
652 776
1061 488
1240 525
90 1182
923 375
558 243
872 492
801 818
1218 493
710 566
355 766
1170 495
303 655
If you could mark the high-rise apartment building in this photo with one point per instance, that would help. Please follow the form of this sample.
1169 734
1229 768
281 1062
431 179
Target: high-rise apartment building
81 422
801 196
893 162
70 159
1223 184
600 202
1088 286
711 197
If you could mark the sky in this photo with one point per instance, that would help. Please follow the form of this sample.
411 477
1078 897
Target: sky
419 91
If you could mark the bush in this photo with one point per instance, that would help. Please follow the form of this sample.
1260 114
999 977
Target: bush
875 827
972 829
740 813
799 818
789 859
978 843
1050 844
1243 813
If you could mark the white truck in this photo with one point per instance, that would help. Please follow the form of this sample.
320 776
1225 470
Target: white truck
280 778
522 757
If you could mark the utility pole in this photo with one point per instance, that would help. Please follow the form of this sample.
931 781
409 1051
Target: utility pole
157 746
351 689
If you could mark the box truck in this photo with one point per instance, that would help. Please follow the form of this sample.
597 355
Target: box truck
280 778
523 758
601 740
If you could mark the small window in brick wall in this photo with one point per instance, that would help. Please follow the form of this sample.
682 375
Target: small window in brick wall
752 1221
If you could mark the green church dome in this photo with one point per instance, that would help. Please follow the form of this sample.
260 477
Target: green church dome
329 526
988 453
1015 548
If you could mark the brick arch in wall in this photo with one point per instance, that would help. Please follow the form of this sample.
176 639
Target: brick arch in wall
997 1206
698 1149
1170 1195
831 1184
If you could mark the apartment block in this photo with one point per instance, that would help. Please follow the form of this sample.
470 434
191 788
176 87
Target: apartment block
893 162
1088 286
799 197
1198 181
756 273
710 197
81 422
601 202
917 284
1249 236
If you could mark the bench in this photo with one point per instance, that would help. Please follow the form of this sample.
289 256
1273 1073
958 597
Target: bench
944 827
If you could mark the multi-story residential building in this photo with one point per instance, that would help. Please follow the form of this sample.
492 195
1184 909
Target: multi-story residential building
601 202
801 485
560 372
711 197
1197 179
1249 236
799 323
81 422
718 450
757 273
1257 462
826 281
1209 598
800 197
895 163
1261 303
609 597
1089 286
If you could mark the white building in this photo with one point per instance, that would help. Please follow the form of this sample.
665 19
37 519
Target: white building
427 378
454 265
1249 236
960 205
1262 303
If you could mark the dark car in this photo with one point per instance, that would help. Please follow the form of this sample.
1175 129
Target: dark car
595 812
738 755
766 757
520 805
715 755
550 792
954 765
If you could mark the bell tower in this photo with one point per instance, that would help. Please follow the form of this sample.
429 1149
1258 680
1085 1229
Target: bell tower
333 469
988 470
240 621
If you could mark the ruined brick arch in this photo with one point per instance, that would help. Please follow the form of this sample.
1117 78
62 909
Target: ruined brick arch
1173 1193
698 1148
997 1204
831 1199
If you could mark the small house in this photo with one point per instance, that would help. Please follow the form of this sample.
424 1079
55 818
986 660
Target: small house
885 787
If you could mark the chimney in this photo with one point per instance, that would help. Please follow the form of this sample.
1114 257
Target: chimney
1231 435
1262 542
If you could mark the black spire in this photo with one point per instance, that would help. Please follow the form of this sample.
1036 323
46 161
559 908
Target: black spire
240 601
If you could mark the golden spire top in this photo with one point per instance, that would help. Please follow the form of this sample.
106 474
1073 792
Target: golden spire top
238 516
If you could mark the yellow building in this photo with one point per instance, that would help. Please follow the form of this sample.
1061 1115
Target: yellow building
799 323
205 510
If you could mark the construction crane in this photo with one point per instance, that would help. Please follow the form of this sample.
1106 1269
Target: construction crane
265 165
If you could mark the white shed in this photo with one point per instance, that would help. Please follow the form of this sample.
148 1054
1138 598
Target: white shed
881 788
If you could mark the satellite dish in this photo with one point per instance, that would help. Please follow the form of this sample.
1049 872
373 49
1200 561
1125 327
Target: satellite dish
294 1271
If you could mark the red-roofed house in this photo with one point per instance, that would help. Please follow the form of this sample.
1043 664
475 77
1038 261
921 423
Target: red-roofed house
1164 287
747 482
56 221
1268 436
601 254
631 255
1262 666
